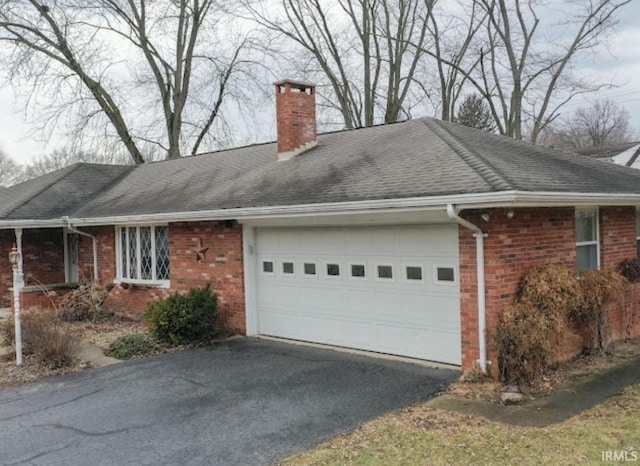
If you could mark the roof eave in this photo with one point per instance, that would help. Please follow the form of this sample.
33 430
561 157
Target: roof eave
26 223
462 202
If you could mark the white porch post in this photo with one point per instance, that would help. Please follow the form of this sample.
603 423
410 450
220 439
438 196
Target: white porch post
18 283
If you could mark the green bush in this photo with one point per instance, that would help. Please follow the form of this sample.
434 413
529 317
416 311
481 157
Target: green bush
186 318
134 346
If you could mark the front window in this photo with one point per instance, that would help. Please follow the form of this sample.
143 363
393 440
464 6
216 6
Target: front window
144 254
587 251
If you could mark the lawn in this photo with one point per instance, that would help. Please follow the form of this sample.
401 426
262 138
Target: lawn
423 435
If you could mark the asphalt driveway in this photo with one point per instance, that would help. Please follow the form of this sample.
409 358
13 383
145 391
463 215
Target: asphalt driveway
244 402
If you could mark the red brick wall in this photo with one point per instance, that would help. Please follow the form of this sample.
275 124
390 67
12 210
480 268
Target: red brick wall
618 242
296 117
7 238
43 256
43 259
106 254
535 236
222 268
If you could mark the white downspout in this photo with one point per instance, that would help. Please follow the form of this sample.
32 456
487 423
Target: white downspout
479 235
95 245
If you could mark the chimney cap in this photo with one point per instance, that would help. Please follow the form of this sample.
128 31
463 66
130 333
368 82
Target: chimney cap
294 82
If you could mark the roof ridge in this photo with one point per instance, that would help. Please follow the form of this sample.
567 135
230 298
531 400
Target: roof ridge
633 158
65 171
469 156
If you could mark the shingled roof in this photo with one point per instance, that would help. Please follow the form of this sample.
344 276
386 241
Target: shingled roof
419 158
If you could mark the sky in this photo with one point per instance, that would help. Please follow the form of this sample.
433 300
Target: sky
617 63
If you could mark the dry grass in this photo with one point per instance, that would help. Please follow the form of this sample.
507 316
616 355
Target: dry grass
571 371
423 435
100 333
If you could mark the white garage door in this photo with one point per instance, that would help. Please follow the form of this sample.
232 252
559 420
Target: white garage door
386 289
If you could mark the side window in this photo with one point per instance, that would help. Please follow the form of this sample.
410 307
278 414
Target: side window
587 235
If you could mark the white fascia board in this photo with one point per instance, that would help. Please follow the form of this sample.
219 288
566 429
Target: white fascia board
462 202
26 224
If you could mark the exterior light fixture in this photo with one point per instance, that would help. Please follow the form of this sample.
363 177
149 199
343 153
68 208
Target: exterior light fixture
14 257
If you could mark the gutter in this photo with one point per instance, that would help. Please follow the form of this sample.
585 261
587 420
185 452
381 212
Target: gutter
461 201
95 245
479 235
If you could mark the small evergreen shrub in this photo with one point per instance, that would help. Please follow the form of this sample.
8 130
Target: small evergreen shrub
134 346
180 319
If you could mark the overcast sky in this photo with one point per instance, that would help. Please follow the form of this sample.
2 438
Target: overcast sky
619 63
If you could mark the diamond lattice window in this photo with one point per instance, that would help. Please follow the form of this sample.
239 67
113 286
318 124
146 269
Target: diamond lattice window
144 254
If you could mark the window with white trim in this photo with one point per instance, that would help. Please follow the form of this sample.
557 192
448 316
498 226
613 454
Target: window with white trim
143 254
587 244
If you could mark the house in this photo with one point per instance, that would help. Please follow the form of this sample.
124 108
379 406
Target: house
625 154
406 238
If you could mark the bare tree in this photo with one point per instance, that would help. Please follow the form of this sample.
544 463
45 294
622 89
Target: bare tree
600 124
453 35
523 75
368 50
74 43
66 156
10 171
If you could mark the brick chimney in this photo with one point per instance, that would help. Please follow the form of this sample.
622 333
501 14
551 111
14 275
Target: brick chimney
296 118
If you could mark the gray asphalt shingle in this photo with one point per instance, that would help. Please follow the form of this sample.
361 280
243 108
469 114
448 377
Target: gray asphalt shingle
417 158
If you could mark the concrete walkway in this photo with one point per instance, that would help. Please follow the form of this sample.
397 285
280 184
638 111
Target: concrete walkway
557 407
95 356
88 352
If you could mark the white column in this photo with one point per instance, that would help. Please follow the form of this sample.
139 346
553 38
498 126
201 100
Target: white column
18 283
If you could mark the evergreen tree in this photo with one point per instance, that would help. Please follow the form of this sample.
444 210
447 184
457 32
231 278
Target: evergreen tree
475 113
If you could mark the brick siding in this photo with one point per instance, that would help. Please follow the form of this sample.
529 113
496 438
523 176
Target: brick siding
535 236
222 268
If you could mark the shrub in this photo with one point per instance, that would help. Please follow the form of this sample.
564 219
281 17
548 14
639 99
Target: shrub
599 288
550 299
527 330
630 269
83 303
135 345
186 318
52 343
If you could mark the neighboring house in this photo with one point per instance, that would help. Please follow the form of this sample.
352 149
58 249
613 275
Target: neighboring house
626 154
407 238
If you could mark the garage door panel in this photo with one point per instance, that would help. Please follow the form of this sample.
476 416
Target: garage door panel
415 318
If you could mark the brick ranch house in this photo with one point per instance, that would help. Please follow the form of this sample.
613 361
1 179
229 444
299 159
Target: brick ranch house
406 238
